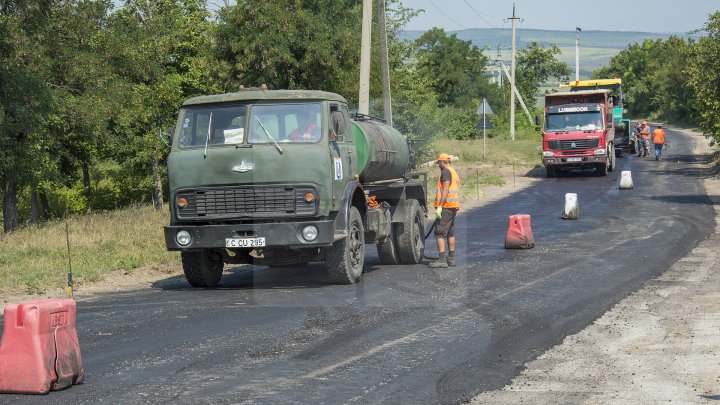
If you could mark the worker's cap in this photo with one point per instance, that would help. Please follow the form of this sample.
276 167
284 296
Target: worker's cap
659 126
444 156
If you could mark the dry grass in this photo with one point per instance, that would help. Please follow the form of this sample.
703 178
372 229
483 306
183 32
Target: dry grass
35 258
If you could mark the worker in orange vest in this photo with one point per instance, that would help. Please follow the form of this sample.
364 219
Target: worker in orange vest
645 139
447 204
658 139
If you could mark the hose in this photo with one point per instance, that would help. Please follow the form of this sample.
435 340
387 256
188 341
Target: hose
432 228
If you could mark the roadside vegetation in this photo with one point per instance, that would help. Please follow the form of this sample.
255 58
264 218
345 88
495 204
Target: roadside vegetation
34 258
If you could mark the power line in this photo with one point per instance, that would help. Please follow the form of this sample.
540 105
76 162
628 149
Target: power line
479 14
447 16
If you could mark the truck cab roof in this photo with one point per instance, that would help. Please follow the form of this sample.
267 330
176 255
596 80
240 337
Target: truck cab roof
261 94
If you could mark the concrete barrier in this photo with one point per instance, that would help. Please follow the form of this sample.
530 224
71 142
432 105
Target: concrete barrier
572 207
519 234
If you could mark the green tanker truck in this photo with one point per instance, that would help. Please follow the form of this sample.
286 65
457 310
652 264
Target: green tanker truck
280 177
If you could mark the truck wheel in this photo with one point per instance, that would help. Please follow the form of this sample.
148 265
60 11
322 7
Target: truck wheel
611 160
386 249
602 169
203 268
346 257
409 239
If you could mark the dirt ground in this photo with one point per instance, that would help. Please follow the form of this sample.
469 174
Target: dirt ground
661 344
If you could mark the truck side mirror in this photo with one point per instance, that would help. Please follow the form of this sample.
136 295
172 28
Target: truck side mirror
167 138
338 124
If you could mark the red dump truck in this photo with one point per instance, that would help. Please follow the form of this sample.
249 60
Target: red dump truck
578 132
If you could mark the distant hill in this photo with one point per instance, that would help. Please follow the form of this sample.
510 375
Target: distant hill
596 47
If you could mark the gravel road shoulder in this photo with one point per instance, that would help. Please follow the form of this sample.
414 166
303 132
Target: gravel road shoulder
661 344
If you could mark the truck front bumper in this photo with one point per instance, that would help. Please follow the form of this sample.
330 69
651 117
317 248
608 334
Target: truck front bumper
287 234
574 161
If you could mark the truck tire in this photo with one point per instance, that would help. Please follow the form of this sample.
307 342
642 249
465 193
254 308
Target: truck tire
602 169
345 258
409 239
387 252
203 268
611 160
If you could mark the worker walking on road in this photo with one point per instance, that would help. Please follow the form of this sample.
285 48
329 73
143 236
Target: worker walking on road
447 204
645 139
658 139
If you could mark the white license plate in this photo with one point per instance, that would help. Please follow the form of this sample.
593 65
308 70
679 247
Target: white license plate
574 159
244 242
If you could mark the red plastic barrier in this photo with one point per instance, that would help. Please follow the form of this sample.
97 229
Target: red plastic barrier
519 234
40 350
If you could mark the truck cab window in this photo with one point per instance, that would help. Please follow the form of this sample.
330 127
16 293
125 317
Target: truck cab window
296 123
225 125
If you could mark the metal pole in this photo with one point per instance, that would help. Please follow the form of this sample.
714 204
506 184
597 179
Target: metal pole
577 55
512 78
384 63
364 98
484 125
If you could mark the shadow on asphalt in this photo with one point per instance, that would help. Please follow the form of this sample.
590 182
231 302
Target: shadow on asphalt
256 277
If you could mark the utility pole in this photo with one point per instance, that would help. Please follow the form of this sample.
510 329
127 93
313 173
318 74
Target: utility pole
384 63
498 60
512 77
578 30
364 98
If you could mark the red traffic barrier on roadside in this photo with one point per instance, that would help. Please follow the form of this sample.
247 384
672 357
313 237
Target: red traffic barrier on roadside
519 234
39 350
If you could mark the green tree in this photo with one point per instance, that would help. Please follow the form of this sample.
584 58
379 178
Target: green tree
534 66
24 98
290 44
455 67
705 77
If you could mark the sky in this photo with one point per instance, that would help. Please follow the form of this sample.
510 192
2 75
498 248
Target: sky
661 16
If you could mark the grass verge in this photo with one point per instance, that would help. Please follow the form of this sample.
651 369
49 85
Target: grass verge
34 258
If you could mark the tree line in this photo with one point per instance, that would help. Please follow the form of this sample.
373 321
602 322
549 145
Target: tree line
675 80
86 86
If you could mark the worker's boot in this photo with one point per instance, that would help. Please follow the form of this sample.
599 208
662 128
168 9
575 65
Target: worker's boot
441 262
451 261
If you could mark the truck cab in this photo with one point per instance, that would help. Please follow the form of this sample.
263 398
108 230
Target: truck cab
578 132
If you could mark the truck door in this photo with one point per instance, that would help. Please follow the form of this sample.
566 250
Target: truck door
342 151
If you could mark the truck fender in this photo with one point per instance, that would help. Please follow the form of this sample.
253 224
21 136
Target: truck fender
353 194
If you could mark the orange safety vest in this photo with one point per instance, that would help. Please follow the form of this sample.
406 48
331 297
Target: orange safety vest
299 133
645 132
659 137
453 197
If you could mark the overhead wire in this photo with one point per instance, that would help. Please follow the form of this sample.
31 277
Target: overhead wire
446 16
479 14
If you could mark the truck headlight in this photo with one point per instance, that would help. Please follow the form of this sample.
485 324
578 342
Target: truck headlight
310 233
548 154
600 151
183 238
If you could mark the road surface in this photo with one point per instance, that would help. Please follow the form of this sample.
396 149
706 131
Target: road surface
404 334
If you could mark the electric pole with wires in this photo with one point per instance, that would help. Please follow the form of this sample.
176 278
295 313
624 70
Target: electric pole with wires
512 77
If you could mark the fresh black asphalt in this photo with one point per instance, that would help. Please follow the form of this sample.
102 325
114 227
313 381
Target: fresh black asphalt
404 334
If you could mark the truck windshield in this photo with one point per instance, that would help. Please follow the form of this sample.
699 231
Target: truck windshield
211 125
574 121
285 123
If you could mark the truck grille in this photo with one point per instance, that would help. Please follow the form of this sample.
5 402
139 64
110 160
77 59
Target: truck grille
578 144
245 201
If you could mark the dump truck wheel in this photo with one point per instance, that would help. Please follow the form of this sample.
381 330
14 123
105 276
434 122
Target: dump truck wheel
345 258
387 250
611 161
409 239
203 268
602 169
